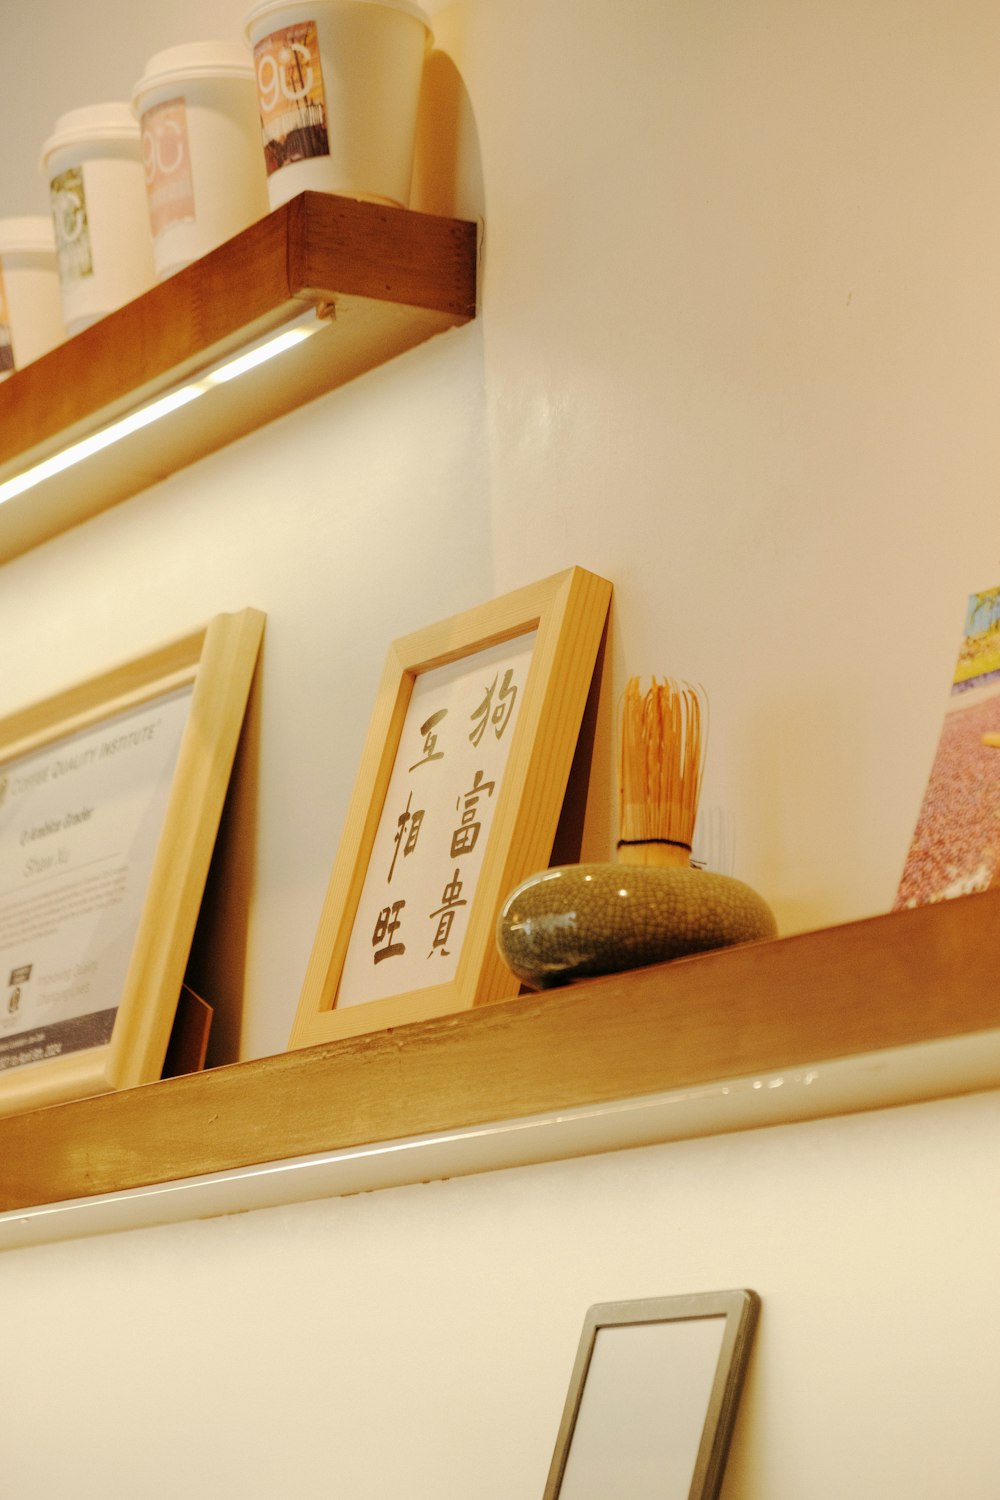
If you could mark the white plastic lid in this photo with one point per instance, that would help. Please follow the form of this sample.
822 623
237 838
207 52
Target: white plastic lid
193 60
266 8
92 123
28 236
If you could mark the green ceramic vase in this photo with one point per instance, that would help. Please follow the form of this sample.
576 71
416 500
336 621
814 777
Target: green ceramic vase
578 920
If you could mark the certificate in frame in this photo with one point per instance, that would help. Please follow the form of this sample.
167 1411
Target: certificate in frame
111 794
652 1398
458 797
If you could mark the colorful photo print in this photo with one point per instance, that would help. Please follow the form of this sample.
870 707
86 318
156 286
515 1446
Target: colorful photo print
290 95
956 845
6 343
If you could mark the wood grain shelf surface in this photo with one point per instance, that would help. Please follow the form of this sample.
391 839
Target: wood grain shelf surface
888 982
386 279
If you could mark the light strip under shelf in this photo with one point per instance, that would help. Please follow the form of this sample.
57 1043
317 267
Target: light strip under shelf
228 369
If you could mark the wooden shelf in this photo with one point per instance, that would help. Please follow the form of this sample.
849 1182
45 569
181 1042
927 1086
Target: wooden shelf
387 278
877 989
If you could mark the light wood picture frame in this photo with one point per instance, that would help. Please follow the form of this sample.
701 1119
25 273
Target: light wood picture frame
652 1397
111 794
531 655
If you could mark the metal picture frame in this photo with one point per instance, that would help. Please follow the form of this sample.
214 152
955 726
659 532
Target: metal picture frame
652 1398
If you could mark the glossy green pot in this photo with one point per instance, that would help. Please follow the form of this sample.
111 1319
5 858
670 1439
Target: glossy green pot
578 920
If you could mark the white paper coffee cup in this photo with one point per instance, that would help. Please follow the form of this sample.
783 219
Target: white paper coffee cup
30 310
204 172
338 88
93 165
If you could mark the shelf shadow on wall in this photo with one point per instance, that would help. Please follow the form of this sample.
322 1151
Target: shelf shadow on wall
447 166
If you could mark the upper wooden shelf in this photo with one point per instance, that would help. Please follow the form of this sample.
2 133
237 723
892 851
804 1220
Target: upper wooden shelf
385 279
922 984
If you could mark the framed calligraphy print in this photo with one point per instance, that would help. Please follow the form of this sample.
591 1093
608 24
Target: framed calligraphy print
458 798
110 800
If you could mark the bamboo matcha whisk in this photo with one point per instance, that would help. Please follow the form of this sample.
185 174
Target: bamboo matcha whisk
660 767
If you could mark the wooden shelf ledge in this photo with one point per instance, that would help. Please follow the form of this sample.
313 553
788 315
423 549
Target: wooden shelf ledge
880 988
387 279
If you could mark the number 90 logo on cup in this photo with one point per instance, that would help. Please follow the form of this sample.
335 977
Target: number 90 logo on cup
166 160
284 78
290 95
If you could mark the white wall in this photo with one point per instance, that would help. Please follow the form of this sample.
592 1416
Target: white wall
737 350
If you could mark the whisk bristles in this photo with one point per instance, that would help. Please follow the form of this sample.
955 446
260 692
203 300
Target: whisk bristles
662 756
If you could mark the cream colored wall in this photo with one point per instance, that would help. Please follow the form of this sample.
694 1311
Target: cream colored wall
417 1343
737 351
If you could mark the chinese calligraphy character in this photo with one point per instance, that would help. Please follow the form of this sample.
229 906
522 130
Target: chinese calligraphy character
463 838
500 716
414 820
452 899
431 751
387 924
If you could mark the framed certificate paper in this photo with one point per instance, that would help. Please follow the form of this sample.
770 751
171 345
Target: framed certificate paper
110 799
458 798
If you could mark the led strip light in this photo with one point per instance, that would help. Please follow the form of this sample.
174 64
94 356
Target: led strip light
230 369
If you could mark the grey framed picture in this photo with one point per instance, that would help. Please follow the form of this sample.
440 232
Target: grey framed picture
652 1398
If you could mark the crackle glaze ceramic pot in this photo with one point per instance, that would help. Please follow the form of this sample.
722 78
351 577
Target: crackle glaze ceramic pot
578 920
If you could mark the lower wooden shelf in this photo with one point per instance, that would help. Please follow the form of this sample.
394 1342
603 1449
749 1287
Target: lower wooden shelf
888 1010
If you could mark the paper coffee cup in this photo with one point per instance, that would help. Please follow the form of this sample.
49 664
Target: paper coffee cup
30 310
338 88
204 173
93 165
